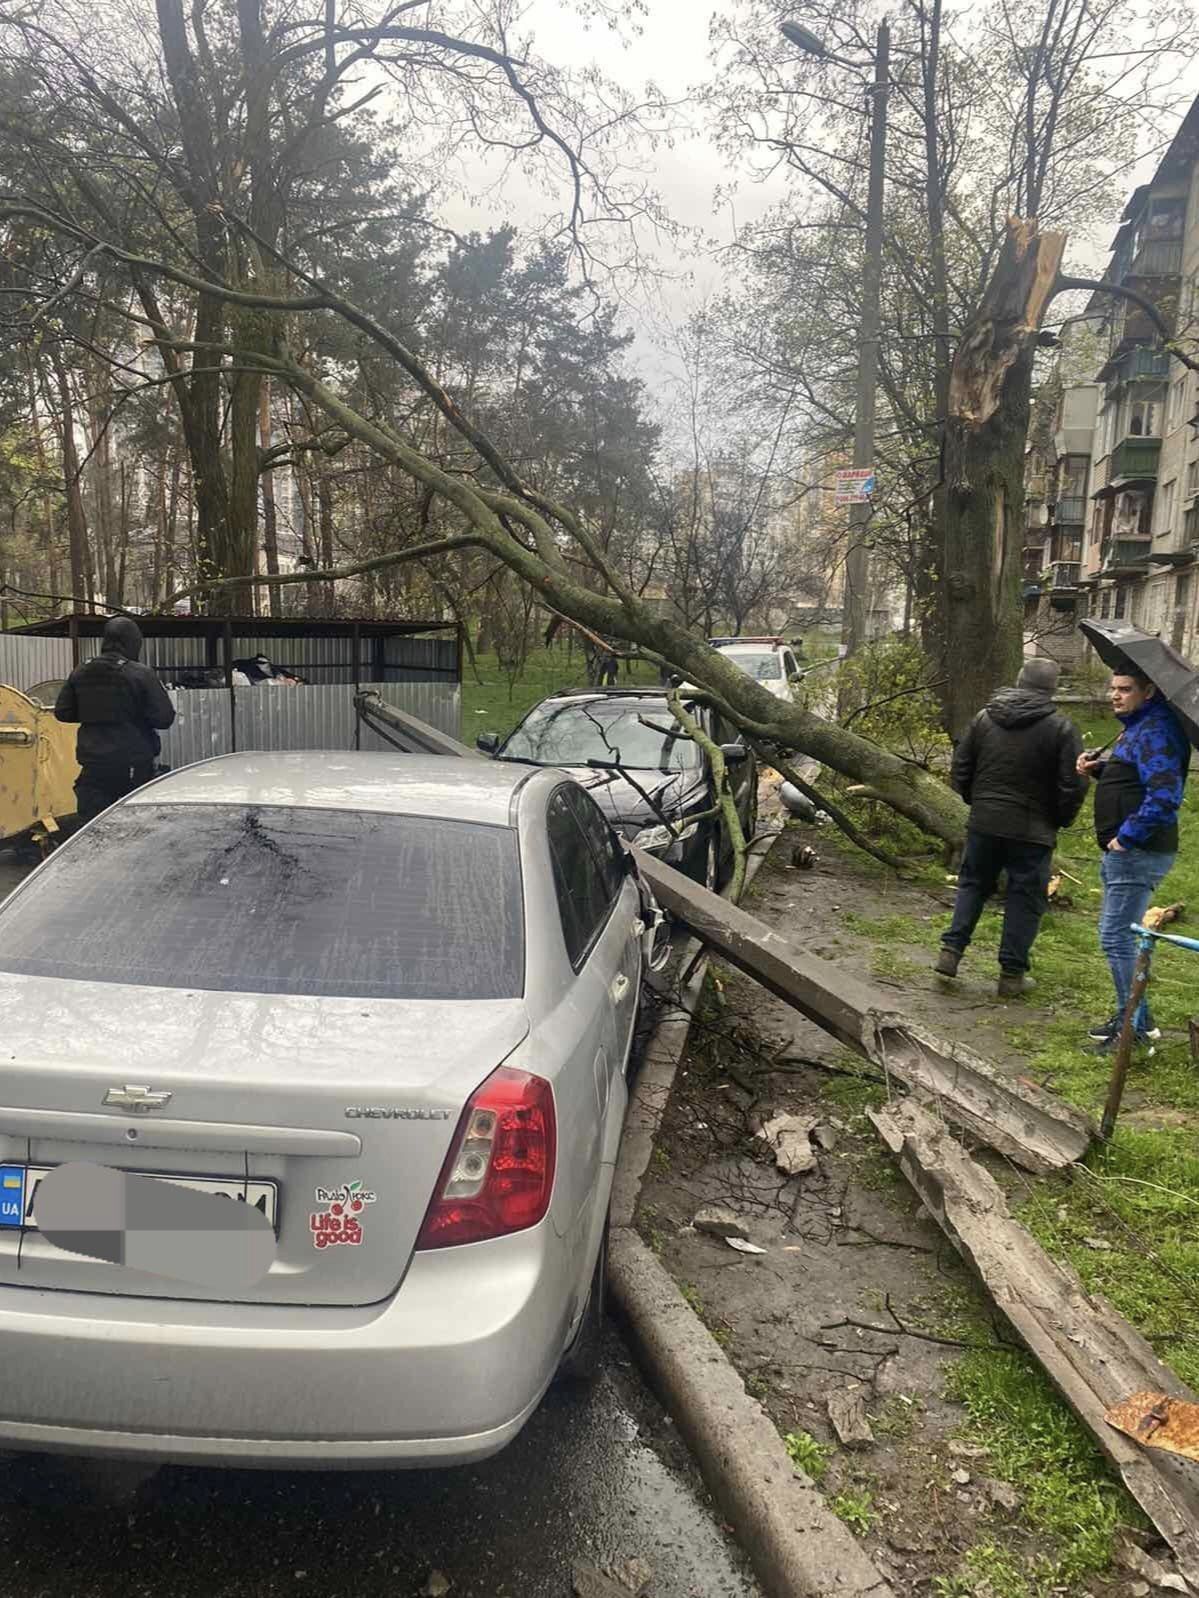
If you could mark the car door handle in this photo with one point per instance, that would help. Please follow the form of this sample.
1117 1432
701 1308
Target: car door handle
619 988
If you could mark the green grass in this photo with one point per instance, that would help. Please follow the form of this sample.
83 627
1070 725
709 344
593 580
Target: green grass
1034 1442
987 1571
811 1457
856 1509
491 703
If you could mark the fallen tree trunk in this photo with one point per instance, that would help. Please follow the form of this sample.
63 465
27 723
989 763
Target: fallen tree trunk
1013 1116
1092 1355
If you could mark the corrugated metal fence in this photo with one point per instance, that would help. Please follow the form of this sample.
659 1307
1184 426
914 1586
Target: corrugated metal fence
25 662
422 679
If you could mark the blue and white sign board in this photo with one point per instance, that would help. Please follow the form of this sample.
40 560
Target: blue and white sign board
853 485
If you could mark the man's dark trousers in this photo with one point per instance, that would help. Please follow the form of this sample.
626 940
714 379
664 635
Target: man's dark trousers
102 783
1028 868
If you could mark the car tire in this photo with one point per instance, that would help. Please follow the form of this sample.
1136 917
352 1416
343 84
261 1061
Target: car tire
582 1361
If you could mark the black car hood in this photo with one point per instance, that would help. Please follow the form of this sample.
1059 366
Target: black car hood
672 792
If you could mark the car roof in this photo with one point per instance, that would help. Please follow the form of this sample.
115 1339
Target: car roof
394 784
750 646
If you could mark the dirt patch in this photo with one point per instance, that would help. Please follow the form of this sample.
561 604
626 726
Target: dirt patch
857 1295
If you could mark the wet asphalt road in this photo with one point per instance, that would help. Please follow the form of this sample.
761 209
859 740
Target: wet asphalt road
595 1478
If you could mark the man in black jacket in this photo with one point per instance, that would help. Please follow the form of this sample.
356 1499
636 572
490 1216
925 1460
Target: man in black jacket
1016 769
119 705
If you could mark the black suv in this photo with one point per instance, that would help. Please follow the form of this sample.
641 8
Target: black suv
626 748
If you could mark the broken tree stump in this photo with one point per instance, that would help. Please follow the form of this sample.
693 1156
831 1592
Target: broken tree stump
1094 1358
1012 1115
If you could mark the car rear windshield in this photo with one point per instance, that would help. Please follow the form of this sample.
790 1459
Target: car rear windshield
642 735
273 899
765 668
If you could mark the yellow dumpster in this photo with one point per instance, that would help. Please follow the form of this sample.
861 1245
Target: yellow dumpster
37 768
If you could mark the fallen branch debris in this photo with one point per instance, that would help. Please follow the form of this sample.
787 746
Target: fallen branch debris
1013 1116
1090 1353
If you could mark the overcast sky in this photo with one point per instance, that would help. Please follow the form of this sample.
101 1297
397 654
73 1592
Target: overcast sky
672 50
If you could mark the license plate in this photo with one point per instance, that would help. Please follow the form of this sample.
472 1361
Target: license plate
19 1185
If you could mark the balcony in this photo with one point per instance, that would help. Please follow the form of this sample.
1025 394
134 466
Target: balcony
1135 458
1063 584
1142 362
1126 557
1072 508
1158 258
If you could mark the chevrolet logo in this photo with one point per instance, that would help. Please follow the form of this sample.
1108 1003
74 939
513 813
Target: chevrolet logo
138 1100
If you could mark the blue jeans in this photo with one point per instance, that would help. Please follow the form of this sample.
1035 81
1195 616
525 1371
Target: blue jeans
1129 878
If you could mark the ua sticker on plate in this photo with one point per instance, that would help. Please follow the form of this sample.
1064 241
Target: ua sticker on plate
12 1195
341 1220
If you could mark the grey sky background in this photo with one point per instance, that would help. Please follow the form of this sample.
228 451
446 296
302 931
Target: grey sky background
673 50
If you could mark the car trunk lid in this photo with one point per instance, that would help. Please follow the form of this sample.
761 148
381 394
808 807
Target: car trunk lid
329 1110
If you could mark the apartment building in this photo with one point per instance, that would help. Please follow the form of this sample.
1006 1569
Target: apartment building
1057 483
1141 540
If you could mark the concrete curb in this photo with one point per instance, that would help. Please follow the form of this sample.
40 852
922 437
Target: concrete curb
798 1547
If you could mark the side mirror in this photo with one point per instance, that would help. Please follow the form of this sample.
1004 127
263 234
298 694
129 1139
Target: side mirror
488 742
734 753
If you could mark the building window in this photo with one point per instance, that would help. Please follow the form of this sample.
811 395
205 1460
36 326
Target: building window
1105 603
1168 498
1121 609
1143 414
1178 392
1182 592
1192 478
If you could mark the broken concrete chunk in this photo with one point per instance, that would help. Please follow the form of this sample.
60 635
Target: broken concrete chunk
635 1574
1001 1493
825 1137
847 1414
788 1137
717 1221
744 1247
962 1477
1098 1243
967 1450
437 1585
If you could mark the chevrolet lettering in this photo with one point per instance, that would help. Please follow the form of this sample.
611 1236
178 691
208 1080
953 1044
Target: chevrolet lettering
393 1112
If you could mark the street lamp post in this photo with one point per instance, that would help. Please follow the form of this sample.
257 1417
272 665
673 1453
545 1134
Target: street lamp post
856 614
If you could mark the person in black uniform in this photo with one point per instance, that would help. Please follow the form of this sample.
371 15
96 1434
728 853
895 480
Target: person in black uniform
120 706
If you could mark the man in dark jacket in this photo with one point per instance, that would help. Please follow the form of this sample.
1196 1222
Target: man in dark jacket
1137 800
1016 767
119 705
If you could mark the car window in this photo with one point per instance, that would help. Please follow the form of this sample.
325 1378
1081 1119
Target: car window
789 666
640 734
583 901
276 899
764 667
608 853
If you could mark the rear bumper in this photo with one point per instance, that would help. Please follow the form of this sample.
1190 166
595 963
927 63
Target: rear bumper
446 1372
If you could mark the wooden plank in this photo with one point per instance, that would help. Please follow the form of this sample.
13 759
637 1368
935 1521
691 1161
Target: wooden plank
1091 1354
1012 1115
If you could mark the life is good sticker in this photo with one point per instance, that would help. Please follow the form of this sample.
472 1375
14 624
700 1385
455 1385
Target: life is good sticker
340 1221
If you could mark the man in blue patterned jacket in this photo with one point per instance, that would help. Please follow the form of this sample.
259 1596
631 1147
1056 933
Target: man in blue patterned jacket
1136 823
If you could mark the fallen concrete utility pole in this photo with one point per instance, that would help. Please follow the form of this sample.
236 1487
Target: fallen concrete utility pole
408 733
1013 1116
1092 1355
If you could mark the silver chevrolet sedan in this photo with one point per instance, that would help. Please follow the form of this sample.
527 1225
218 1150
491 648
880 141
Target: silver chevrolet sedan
388 1002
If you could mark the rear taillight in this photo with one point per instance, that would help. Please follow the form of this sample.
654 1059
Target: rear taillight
499 1173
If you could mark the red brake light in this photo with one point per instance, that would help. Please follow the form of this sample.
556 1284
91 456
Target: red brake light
499 1173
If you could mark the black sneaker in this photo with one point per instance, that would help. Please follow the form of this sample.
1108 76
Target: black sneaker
1109 1031
1140 1040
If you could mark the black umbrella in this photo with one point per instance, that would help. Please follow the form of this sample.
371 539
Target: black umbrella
1120 645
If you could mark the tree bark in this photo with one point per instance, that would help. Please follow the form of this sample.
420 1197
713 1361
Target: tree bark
81 563
270 516
980 609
